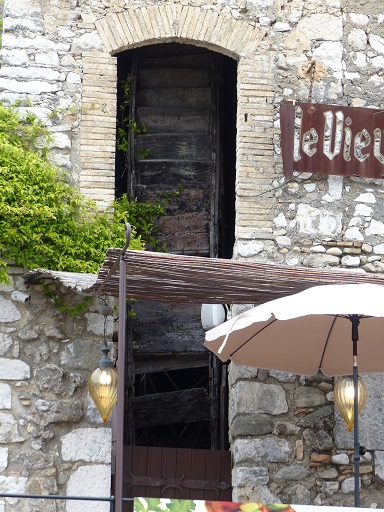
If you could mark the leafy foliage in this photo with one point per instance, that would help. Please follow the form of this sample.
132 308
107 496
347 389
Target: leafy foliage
126 123
161 505
61 304
142 216
44 220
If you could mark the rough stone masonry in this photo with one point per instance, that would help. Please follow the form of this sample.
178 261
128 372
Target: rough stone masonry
287 441
51 435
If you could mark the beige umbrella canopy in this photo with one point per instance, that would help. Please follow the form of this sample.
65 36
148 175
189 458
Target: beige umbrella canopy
307 332
317 329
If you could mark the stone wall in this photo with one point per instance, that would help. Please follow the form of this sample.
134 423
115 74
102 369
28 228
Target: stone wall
288 444
52 439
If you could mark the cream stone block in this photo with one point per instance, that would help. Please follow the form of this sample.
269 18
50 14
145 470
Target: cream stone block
203 26
135 26
210 21
169 10
5 342
146 23
21 7
197 23
40 43
330 54
5 397
227 31
217 29
13 484
126 33
185 20
105 34
28 87
120 28
357 39
14 57
13 369
88 41
377 43
156 21
244 36
3 459
322 27
8 311
9 431
87 444
91 480
163 22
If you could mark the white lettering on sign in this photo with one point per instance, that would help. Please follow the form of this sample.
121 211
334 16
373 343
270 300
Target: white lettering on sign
331 139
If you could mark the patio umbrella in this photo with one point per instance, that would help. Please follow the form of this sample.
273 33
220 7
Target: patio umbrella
317 329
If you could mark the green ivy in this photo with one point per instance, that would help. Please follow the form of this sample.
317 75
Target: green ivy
50 292
126 124
44 221
143 215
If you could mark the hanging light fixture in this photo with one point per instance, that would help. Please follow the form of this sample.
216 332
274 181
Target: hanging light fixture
343 395
102 383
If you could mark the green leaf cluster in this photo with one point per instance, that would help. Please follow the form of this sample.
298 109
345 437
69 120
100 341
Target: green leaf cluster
126 123
50 292
161 505
143 216
44 220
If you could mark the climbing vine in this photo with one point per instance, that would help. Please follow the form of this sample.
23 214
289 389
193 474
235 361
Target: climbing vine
61 304
44 220
127 124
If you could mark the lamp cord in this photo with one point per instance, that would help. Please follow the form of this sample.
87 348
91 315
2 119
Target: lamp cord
105 332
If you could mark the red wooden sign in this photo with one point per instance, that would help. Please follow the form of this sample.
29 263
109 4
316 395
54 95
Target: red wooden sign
330 139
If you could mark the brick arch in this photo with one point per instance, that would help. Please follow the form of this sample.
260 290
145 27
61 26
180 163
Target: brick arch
173 22
170 22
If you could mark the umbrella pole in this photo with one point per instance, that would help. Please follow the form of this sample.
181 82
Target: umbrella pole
356 445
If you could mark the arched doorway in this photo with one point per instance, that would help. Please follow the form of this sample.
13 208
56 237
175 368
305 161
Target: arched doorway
181 130
179 102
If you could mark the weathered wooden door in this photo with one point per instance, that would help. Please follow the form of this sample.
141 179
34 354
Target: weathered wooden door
177 473
176 144
174 97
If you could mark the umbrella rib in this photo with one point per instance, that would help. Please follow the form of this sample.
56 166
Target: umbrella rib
326 342
253 335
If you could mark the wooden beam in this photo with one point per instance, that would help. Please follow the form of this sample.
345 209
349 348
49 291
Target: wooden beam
149 363
159 328
185 406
